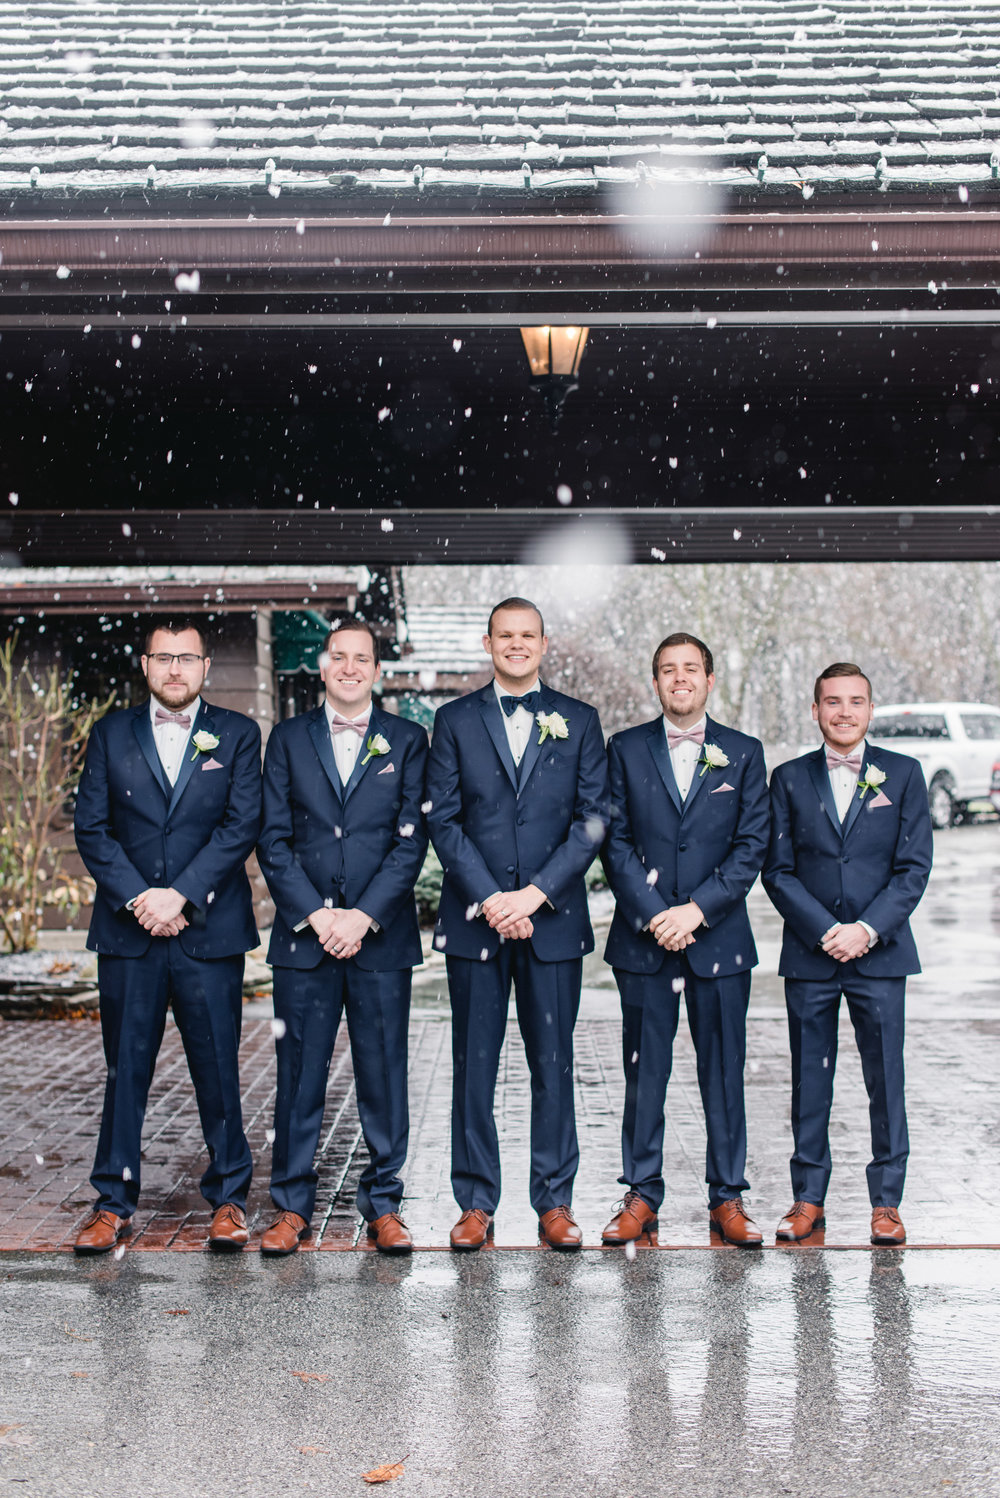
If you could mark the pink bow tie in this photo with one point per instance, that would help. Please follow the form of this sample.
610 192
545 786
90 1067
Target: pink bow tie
162 716
349 725
835 761
677 736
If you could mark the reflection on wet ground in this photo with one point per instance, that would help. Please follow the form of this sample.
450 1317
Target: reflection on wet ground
794 1372
51 1081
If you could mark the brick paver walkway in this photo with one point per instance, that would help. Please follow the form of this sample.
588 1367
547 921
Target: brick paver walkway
52 1076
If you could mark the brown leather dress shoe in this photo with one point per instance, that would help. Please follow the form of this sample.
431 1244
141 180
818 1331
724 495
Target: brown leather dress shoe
284 1234
100 1232
633 1218
471 1230
391 1234
733 1223
801 1219
558 1228
228 1231
887 1226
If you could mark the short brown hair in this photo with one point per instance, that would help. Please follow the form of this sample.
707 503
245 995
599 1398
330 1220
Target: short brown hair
840 668
683 639
176 627
341 626
515 603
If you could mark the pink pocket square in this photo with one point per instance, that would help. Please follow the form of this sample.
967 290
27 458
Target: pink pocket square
389 769
880 800
725 786
212 764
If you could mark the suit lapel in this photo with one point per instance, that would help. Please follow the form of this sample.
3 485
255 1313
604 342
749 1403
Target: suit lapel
657 741
492 716
700 773
203 721
855 808
319 732
375 725
546 704
142 727
821 780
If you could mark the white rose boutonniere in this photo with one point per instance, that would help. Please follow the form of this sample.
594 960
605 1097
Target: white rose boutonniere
204 742
873 778
713 758
376 746
553 726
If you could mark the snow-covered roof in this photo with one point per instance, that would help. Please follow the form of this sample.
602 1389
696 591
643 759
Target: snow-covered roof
414 97
218 588
445 641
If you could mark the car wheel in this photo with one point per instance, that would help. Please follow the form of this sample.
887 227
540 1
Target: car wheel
940 797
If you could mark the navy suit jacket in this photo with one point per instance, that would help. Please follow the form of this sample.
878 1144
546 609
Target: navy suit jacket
135 832
874 868
490 835
357 846
708 848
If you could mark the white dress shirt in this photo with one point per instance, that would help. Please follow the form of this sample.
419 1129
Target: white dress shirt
684 757
170 738
520 723
346 746
843 784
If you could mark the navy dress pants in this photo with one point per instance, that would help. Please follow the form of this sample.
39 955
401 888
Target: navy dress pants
310 1002
207 1001
547 997
717 1019
876 1007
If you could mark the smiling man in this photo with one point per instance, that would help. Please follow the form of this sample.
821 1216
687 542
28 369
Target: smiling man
167 812
849 859
688 836
517 783
341 847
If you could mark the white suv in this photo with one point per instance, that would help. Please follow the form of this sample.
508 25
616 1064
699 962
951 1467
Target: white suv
958 744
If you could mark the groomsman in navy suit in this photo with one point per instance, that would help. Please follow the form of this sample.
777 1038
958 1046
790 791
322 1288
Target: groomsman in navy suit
689 825
518 790
342 845
850 855
167 812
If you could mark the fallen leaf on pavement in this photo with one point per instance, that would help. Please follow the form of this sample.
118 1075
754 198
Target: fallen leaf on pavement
178 1312
317 1378
79 1375
388 1473
70 1332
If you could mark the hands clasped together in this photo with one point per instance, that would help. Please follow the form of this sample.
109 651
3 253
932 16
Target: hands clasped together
675 928
846 942
161 911
510 914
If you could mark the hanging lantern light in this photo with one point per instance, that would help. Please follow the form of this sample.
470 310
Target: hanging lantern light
554 356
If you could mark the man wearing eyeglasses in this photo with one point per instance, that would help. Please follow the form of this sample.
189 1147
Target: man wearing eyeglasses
167 813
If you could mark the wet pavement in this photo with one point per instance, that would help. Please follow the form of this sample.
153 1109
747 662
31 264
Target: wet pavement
797 1371
792 1369
51 1081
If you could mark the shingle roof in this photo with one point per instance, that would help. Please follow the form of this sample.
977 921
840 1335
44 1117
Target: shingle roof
405 97
443 641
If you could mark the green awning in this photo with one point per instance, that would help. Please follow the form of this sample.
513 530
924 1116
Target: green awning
297 639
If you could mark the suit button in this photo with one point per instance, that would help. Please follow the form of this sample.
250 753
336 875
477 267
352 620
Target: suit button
510 868
845 860
168 831
682 847
520 821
